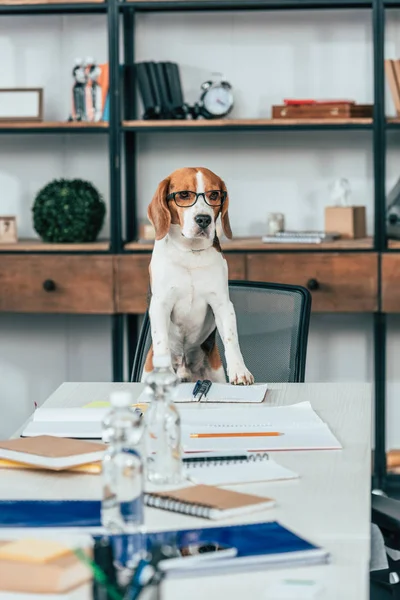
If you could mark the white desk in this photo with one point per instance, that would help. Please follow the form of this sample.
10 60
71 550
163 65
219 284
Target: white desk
329 504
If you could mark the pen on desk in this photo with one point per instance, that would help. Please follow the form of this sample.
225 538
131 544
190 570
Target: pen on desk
205 388
196 388
238 434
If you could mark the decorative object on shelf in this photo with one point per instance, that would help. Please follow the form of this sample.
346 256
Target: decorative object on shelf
275 223
301 237
8 230
21 104
146 232
216 101
349 221
90 91
321 109
392 71
68 211
393 212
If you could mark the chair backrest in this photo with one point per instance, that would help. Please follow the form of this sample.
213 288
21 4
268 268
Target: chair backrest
273 322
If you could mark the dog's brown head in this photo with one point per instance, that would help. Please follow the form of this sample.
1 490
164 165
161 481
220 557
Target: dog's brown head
192 198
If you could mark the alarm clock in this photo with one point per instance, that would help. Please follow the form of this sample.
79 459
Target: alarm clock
216 101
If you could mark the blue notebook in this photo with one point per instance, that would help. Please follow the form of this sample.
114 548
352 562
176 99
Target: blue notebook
257 544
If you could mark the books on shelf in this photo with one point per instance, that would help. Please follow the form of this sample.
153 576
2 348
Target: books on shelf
392 72
301 237
321 109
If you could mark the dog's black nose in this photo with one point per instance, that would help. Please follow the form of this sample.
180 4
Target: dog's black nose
203 221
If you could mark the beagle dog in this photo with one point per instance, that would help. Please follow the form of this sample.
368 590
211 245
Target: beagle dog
189 280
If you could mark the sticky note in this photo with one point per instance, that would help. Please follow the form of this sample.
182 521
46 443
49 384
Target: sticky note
33 550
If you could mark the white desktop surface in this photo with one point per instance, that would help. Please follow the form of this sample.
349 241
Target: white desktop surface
329 505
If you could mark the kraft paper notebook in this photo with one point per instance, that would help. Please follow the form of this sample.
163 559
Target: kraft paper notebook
207 501
49 452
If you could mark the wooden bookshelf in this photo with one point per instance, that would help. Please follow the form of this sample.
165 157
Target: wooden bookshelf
255 243
39 246
244 123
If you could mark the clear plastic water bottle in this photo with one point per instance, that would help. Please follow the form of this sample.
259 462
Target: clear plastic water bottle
162 425
123 474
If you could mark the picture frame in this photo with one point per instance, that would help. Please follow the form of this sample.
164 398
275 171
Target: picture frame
8 230
21 104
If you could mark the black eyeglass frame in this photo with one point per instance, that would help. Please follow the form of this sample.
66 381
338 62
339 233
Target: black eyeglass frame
173 194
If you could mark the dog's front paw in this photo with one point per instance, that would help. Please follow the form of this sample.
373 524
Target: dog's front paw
241 377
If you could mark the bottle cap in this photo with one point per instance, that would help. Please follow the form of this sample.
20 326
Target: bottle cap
120 399
162 362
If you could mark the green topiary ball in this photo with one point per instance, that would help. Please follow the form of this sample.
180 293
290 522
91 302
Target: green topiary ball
68 211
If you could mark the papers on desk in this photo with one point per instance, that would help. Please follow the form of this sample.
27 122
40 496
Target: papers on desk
219 392
295 427
208 429
83 423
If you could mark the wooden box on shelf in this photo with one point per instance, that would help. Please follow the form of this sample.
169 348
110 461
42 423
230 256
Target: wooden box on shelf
340 110
349 221
8 230
21 104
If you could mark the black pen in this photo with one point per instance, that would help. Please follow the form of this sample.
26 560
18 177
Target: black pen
205 388
196 388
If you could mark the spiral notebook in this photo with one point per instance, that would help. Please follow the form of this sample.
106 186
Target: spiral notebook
207 501
230 469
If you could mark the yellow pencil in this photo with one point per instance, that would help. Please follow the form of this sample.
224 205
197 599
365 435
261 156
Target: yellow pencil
238 434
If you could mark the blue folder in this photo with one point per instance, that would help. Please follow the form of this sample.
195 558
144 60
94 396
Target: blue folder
255 539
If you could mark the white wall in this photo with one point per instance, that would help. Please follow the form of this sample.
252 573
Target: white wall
266 56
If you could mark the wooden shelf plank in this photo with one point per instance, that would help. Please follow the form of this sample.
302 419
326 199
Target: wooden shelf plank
39 246
394 244
255 243
50 125
245 123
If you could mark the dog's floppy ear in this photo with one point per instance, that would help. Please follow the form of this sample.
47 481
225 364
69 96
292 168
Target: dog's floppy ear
158 211
226 226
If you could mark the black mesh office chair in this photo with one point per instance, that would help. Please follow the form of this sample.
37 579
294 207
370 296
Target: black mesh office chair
385 583
273 322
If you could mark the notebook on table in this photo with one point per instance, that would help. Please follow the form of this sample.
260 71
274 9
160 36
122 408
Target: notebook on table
79 423
259 546
220 392
207 501
49 452
230 469
295 427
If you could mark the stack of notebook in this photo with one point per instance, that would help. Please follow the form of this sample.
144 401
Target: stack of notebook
51 453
